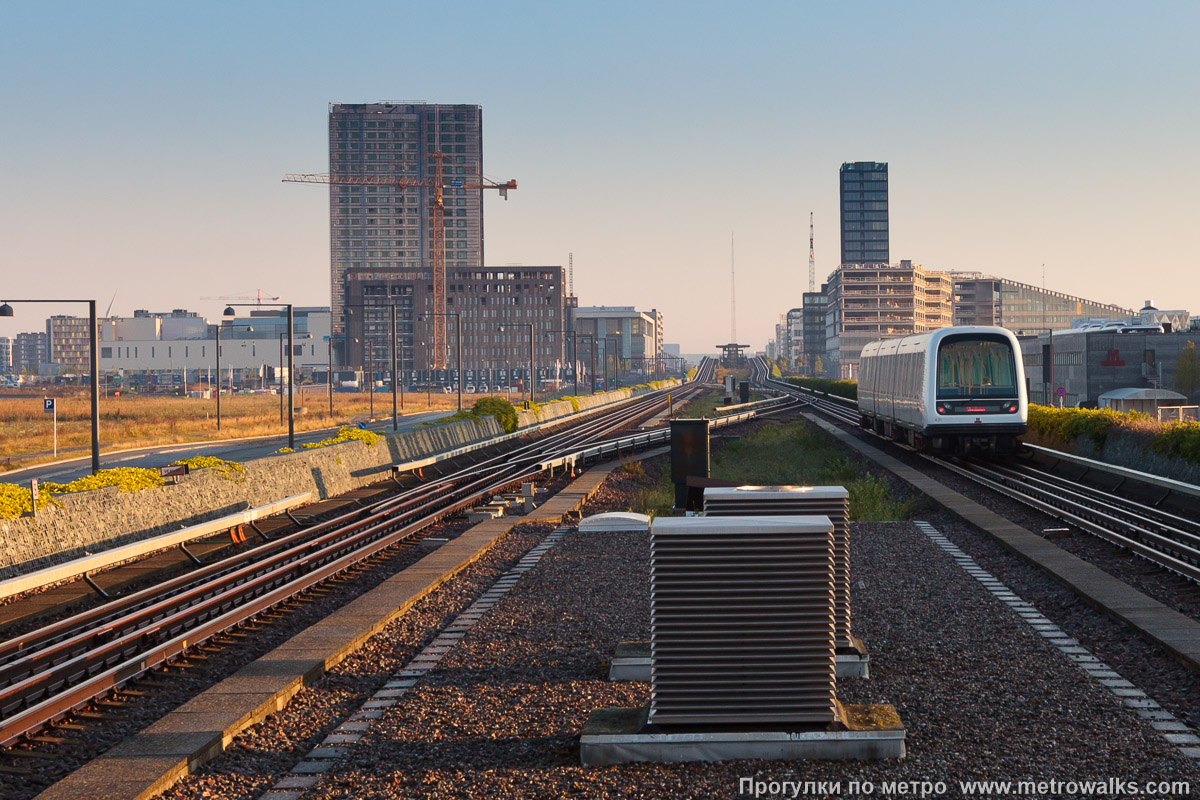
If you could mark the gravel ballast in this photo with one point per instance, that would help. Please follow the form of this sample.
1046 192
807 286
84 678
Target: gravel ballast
982 695
1145 663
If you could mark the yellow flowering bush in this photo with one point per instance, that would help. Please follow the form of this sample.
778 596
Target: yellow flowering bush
127 479
16 500
345 434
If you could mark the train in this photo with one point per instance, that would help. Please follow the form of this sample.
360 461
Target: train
959 389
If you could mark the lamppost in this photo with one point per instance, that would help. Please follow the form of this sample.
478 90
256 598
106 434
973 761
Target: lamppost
574 353
457 346
281 379
291 379
329 374
592 350
218 337
532 373
229 312
7 311
370 354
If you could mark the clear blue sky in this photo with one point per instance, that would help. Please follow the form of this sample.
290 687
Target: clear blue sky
143 143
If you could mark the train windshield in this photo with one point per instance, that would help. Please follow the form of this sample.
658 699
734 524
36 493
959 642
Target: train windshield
976 368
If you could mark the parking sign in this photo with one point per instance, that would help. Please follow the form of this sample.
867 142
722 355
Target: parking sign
48 405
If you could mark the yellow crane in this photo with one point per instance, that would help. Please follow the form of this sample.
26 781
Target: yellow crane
257 296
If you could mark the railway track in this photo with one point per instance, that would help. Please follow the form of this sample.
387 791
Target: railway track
1167 538
51 672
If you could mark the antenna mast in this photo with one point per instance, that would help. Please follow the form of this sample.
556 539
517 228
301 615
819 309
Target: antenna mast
732 294
570 274
812 259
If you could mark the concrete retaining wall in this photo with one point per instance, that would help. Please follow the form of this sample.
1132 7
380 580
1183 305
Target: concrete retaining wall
564 408
87 522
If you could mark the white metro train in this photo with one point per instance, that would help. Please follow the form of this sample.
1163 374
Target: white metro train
954 389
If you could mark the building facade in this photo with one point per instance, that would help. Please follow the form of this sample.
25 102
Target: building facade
1171 321
814 305
481 300
867 302
793 342
69 343
863 187
1087 364
379 228
29 352
253 347
629 339
987 300
6 354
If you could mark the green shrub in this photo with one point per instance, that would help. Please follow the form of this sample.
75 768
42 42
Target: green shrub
455 417
499 408
1179 440
1065 425
838 388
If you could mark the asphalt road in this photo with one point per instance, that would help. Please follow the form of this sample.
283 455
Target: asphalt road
233 449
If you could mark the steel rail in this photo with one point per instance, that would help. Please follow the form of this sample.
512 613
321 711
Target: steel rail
1149 533
263 557
1162 550
1169 524
120 654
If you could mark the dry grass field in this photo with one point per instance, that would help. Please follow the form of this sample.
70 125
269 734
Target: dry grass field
26 433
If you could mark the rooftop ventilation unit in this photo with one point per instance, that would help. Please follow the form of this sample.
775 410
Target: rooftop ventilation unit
829 501
741 621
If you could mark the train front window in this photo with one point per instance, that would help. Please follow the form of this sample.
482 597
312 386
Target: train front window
976 368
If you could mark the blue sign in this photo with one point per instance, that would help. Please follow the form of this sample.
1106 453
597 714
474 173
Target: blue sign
48 405
456 183
1061 391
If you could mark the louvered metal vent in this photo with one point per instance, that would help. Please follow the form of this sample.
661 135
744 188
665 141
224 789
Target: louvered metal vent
829 501
741 620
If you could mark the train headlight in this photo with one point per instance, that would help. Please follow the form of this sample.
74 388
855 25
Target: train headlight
941 408
1011 408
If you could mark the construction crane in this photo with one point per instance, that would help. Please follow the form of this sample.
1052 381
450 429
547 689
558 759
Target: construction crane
437 182
257 297
812 257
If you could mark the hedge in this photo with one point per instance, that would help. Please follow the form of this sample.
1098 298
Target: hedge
1180 440
1068 424
838 388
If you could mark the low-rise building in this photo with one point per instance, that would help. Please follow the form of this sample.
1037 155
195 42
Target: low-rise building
814 305
1169 320
987 300
630 339
29 352
69 343
867 302
182 348
494 305
1075 367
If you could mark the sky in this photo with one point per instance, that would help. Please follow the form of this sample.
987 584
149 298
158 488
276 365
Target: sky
142 144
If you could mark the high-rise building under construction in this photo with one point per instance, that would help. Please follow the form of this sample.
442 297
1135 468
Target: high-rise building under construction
382 228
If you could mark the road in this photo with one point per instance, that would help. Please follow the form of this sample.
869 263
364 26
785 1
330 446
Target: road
66 470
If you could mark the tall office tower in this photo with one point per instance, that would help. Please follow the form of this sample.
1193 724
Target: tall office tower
383 228
864 196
